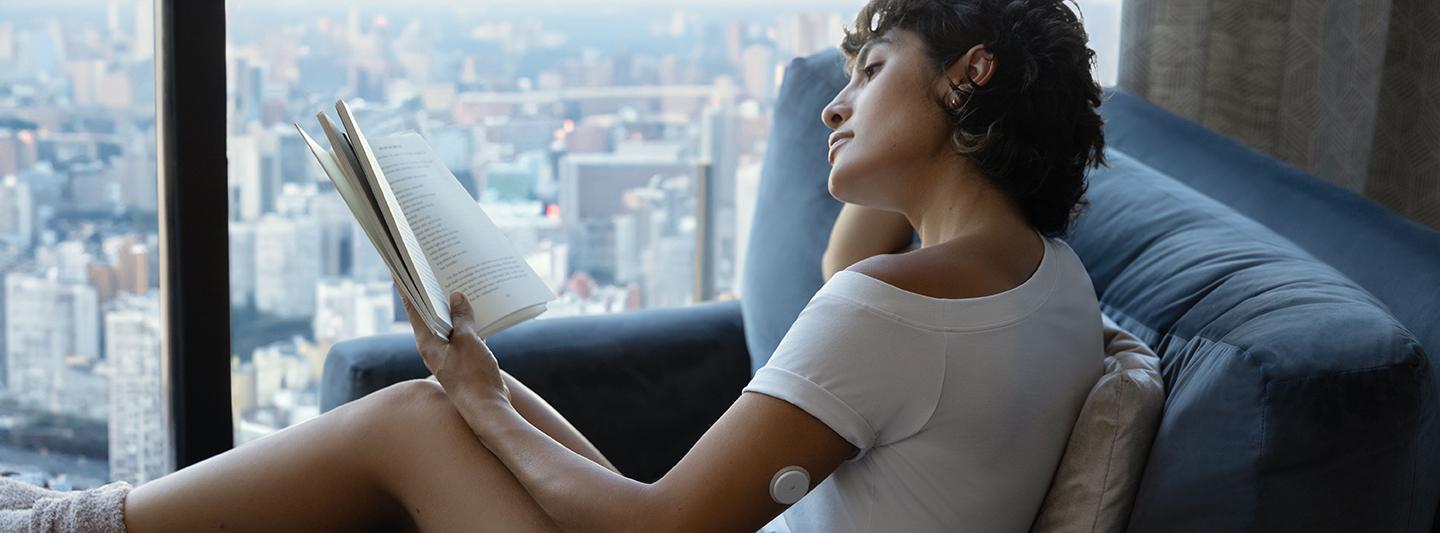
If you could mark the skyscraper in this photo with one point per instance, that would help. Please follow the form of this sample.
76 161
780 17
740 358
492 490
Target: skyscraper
46 320
345 309
287 266
242 264
16 213
139 445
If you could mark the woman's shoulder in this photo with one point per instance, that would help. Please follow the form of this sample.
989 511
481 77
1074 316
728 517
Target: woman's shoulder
948 272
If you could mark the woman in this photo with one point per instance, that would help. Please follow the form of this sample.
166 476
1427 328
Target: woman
920 390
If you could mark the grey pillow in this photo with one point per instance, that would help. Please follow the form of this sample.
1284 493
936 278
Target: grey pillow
1099 475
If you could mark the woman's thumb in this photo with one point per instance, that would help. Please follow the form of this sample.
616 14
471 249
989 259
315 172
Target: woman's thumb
462 317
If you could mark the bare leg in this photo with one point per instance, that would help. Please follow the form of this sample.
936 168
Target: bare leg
401 457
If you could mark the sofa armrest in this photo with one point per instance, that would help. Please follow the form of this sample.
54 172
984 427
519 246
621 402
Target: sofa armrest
642 386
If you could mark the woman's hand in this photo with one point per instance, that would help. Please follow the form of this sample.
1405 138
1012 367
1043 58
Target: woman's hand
464 365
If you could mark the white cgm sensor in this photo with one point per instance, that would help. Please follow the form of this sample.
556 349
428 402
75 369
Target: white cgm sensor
789 485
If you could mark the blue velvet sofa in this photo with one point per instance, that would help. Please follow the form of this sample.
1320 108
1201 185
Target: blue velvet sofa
1291 318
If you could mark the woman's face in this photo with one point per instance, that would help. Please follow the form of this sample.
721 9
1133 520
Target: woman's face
888 128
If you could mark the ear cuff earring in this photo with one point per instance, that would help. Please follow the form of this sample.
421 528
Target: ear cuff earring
954 98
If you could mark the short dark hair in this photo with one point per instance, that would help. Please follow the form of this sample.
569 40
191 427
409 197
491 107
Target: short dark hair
1033 128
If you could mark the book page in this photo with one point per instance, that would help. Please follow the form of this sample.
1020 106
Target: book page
466 251
345 175
432 296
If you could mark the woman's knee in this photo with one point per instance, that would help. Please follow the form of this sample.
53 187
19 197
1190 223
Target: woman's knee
397 406
412 397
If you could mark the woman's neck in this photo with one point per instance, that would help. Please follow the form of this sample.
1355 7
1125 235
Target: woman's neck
964 206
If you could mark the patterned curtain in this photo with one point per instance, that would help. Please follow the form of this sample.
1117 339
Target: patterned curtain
1348 90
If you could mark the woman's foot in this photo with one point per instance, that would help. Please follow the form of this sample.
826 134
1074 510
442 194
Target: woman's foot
26 507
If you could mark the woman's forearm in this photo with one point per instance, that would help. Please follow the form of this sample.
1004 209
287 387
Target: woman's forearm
861 232
574 491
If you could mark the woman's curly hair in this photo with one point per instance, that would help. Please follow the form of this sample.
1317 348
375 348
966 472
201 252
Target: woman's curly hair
1033 128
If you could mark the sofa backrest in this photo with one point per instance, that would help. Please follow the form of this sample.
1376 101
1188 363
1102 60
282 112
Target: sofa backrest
1395 259
1295 400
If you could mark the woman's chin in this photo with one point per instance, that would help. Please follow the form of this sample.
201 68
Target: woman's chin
833 186
840 190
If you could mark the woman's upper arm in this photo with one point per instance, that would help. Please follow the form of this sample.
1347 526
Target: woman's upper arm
723 483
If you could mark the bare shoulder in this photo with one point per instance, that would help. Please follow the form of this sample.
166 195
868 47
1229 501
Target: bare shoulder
920 271
944 272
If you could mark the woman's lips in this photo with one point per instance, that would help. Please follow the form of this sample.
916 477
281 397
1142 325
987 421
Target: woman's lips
836 146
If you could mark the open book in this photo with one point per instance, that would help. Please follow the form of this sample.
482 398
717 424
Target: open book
434 238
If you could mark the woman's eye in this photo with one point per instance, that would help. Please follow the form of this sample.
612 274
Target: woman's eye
870 70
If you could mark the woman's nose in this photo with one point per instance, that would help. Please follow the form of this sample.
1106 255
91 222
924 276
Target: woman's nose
835 113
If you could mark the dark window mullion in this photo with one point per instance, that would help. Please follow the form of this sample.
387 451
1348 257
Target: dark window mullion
195 273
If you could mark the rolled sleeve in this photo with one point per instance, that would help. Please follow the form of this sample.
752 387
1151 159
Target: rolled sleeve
817 401
870 378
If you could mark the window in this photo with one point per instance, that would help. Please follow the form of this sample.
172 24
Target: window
81 391
619 147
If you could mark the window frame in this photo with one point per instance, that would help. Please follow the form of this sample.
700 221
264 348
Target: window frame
194 231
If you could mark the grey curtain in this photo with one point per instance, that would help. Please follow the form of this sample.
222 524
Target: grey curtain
1348 90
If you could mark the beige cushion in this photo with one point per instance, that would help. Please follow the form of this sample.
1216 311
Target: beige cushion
1095 485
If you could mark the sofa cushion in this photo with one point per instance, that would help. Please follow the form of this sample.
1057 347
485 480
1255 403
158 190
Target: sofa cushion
793 210
1295 401
1393 258
1095 485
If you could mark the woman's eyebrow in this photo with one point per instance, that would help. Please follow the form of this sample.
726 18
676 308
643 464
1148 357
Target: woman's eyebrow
865 50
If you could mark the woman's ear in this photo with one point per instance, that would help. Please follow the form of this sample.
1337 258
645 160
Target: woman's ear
973 69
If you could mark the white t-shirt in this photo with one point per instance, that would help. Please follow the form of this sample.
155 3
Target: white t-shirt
960 408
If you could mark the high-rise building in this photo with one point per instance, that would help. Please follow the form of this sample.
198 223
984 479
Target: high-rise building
807 33
334 224
758 65
286 266
242 387
591 185
72 261
720 149
46 321
592 249
129 256
747 188
365 261
634 234
297 164
102 277
18 150
249 81
139 445
16 213
671 271
345 309
284 375
93 187
242 264
135 172
245 186
132 270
